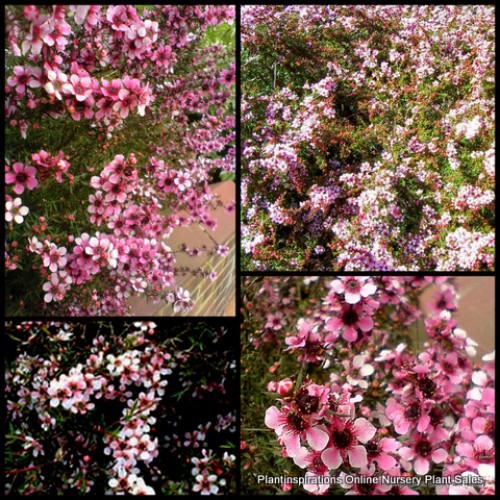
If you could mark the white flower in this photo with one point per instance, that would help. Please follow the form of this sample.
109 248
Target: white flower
360 369
14 211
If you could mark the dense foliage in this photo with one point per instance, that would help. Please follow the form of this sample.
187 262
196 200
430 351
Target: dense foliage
116 408
368 137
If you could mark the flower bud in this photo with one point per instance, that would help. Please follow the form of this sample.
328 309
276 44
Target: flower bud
284 386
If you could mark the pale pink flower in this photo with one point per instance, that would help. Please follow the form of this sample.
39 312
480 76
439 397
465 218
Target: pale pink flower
354 288
55 258
82 87
58 84
291 427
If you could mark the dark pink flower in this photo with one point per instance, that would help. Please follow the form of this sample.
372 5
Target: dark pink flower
25 76
349 320
22 176
425 449
380 451
346 441
111 89
408 416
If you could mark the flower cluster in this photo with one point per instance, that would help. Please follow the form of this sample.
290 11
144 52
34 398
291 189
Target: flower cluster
372 130
119 119
360 397
101 412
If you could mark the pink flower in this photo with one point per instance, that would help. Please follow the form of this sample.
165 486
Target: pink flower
274 321
353 288
22 177
55 258
311 460
38 31
349 320
379 450
425 449
102 251
111 89
82 87
117 16
308 342
58 84
125 104
291 427
411 415
55 288
227 78
346 436
25 76
358 369
482 451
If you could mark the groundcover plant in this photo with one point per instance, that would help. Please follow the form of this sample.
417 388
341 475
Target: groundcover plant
117 120
120 408
365 394
368 137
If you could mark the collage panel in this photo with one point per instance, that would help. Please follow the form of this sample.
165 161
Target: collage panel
368 385
368 138
120 160
120 407
181 184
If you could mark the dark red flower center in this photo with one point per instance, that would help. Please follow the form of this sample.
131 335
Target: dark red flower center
314 348
423 448
306 403
318 466
352 286
350 318
296 421
413 411
373 448
484 455
366 488
21 177
436 416
427 386
342 439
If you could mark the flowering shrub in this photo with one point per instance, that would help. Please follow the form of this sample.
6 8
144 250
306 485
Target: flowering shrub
368 137
118 118
120 408
366 396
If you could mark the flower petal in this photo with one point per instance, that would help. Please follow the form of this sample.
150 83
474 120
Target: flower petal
358 456
331 458
317 438
363 430
421 466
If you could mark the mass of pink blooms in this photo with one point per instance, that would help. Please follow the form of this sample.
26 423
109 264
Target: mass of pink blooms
368 137
100 66
365 401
